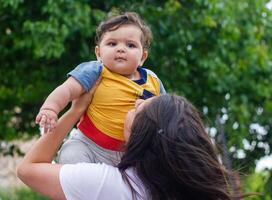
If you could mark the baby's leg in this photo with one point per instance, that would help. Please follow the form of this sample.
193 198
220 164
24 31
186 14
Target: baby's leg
74 150
79 148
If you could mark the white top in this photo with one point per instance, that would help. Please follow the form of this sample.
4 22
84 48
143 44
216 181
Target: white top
87 181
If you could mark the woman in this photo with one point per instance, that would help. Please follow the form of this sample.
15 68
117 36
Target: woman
168 156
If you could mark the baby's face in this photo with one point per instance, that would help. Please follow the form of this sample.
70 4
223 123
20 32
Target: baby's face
121 50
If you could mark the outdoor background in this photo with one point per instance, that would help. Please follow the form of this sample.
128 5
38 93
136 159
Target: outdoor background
216 53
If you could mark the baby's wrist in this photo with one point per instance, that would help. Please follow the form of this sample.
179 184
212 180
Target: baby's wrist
49 109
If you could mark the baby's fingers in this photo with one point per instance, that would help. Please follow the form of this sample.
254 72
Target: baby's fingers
48 126
43 121
53 123
38 119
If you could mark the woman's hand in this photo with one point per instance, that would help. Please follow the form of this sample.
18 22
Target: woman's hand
36 169
80 105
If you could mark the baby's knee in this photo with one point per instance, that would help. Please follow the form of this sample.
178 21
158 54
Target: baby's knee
73 152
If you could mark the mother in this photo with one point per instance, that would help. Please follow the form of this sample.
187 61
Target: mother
168 155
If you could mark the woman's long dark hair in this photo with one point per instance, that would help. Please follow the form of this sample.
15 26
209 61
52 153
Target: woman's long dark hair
172 154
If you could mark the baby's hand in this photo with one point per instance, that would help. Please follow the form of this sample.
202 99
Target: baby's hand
47 119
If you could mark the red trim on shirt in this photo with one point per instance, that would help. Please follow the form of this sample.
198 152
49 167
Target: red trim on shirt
88 128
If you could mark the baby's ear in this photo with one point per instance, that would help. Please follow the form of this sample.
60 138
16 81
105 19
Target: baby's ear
144 57
97 52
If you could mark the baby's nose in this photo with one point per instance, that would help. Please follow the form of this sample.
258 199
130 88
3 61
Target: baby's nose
120 48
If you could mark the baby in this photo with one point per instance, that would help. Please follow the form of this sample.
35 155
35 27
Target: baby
122 47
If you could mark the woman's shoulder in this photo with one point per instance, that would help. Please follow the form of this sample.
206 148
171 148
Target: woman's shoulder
90 171
93 179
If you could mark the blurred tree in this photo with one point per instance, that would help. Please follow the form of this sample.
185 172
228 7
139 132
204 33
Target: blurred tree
216 53
258 183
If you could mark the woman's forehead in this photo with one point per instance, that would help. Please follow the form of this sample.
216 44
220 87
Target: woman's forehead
142 103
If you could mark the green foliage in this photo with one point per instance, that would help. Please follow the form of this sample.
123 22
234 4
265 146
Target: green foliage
257 182
216 53
20 194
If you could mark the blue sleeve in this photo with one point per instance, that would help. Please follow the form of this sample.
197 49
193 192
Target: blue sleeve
87 73
162 90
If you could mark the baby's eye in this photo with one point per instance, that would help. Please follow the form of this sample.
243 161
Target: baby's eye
131 45
111 44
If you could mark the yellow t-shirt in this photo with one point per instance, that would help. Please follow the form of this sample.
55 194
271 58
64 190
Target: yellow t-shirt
114 97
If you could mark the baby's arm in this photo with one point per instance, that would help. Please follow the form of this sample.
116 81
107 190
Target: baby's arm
81 79
57 101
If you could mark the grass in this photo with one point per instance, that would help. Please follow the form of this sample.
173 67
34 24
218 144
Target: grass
20 194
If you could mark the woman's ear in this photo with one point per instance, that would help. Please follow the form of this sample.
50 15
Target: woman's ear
144 57
97 52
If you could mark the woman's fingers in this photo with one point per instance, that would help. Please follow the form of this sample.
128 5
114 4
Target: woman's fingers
84 100
96 84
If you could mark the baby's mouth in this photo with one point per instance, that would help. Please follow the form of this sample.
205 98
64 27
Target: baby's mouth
120 59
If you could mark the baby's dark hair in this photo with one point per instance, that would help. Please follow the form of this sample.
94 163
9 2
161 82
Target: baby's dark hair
128 18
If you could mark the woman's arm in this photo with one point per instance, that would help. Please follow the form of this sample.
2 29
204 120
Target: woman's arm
36 169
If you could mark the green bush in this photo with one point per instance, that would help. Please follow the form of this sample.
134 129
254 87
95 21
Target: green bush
20 194
258 182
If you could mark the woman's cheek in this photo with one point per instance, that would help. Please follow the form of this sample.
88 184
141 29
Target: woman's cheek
127 124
